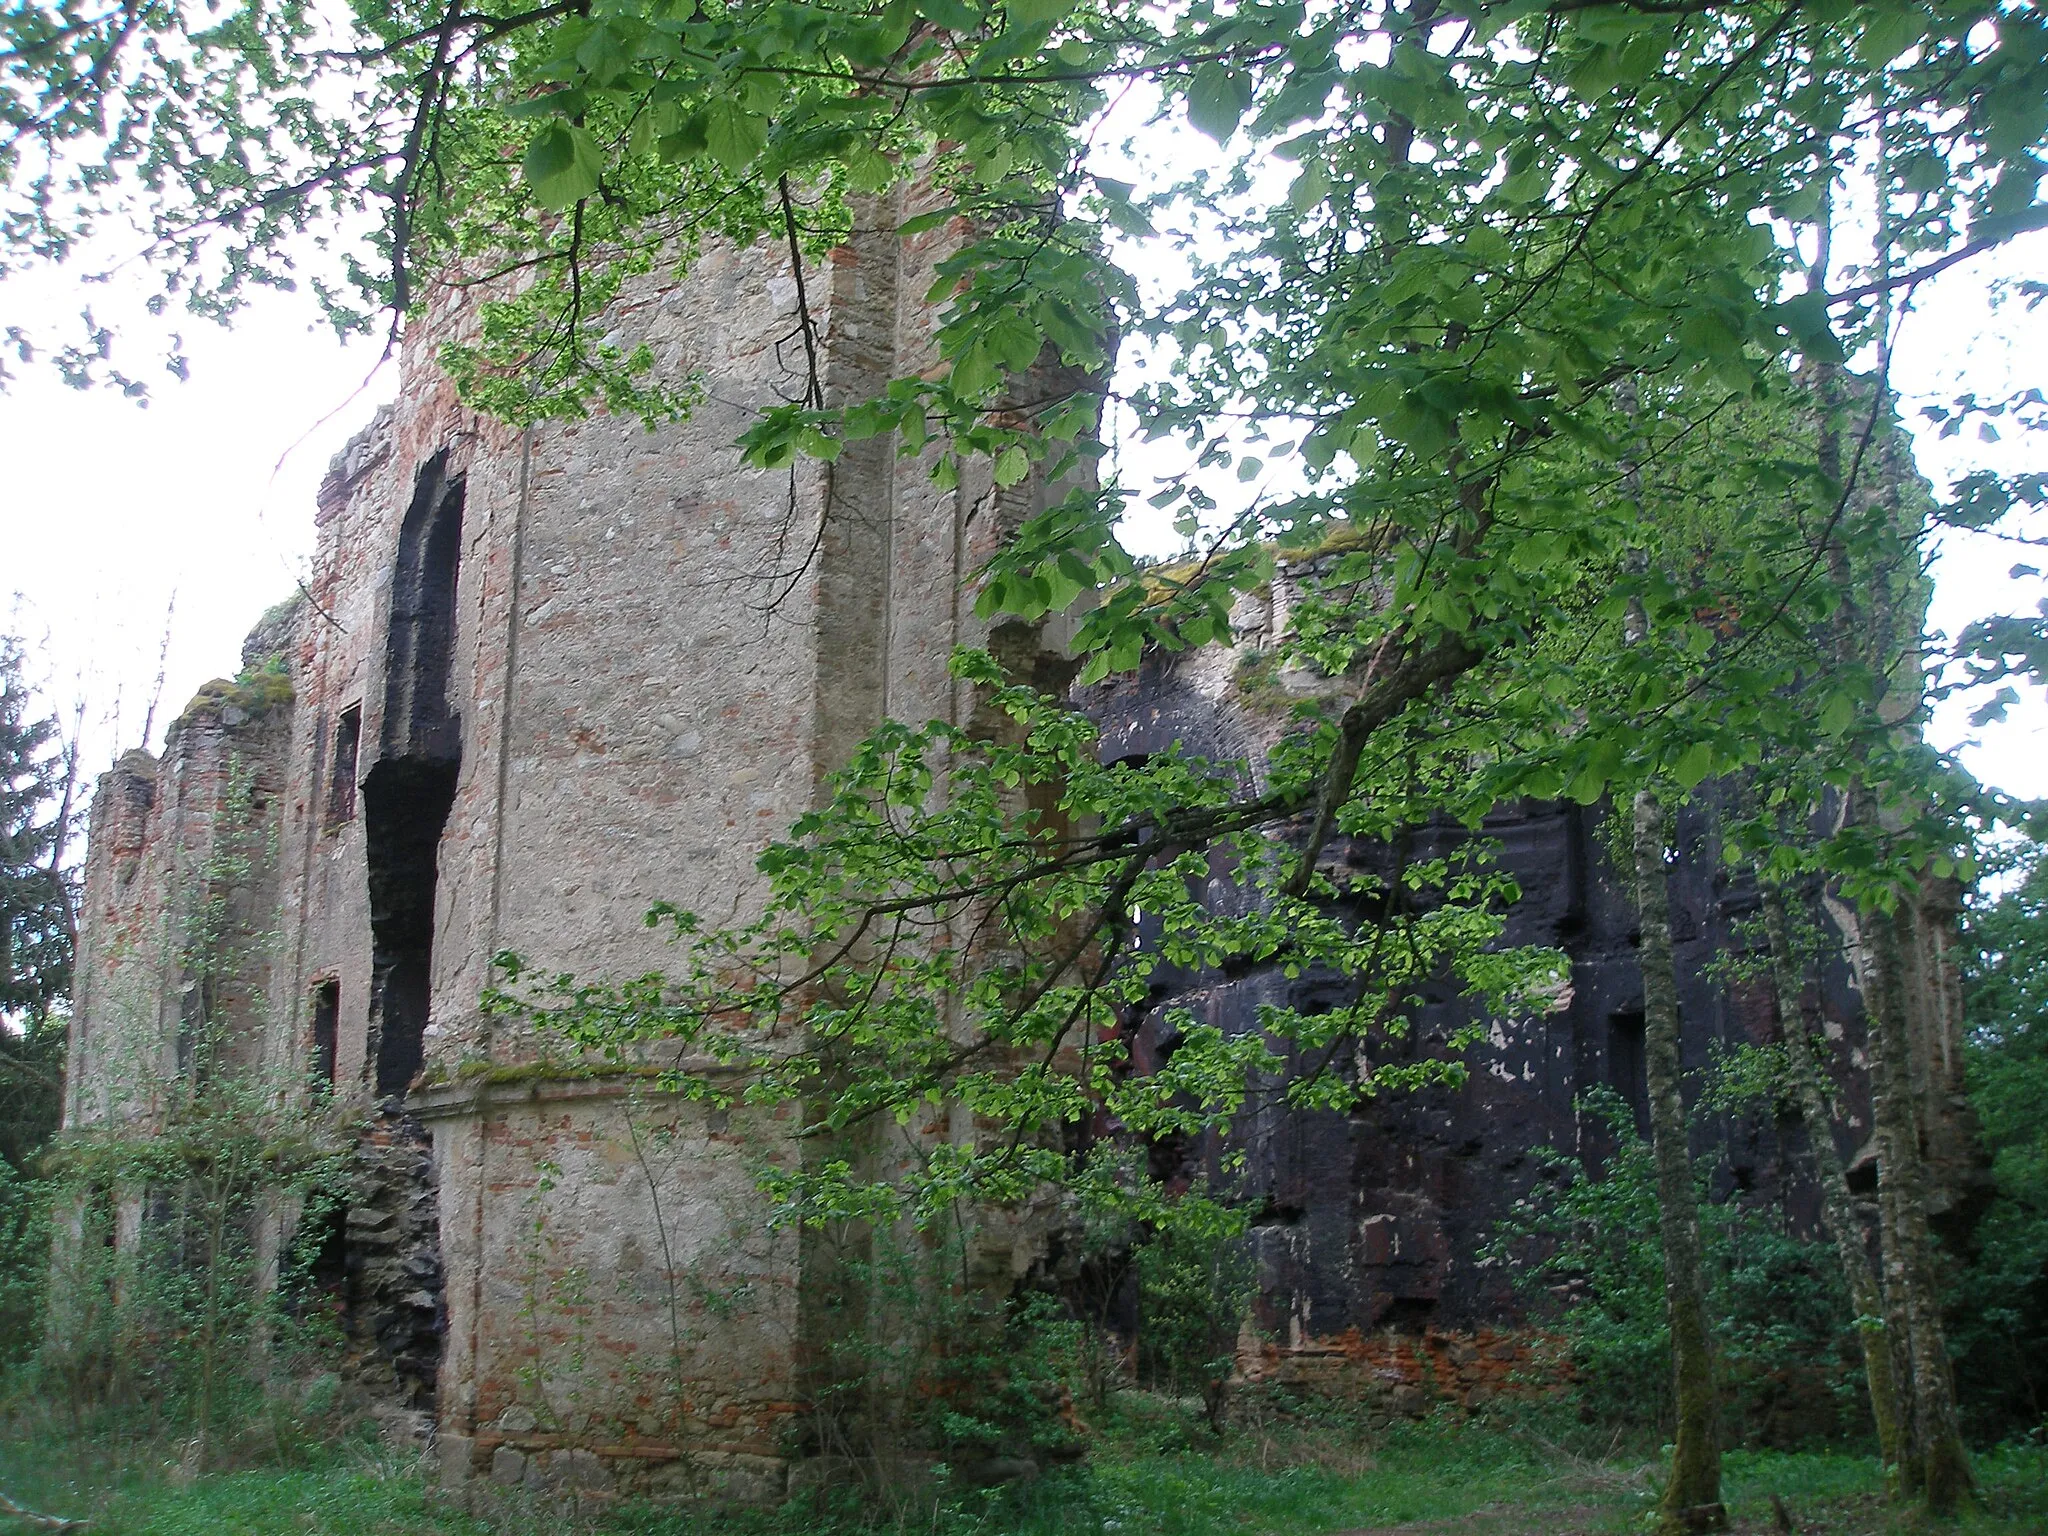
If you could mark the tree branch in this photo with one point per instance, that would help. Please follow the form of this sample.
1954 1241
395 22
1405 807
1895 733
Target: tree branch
2025 224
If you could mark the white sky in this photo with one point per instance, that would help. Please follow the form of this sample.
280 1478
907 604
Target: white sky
1955 341
110 513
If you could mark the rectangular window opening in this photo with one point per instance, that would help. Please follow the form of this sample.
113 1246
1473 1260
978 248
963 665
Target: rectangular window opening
326 1032
1628 1066
341 783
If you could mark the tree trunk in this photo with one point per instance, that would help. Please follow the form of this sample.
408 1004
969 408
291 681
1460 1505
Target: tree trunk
1692 1498
1838 1208
1944 1465
1898 1334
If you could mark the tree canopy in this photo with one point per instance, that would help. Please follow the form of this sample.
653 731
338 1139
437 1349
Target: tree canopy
37 930
1445 266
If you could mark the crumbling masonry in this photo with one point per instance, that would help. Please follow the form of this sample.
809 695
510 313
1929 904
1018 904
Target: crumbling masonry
540 679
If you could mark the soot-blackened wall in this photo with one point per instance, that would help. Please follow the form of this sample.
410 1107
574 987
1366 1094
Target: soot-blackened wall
1380 1218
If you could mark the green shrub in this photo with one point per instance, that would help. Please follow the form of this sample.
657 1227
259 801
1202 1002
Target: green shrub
1195 1287
24 1264
919 1366
1998 1307
1585 1246
1003 1391
173 1308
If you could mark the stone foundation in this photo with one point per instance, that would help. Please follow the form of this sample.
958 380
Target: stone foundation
1409 1375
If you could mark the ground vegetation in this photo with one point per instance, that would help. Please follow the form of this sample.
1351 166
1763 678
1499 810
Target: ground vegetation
1291 1472
1584 1246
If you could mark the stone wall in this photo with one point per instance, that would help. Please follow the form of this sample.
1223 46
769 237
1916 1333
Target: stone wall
1400 1375
543 679
178 942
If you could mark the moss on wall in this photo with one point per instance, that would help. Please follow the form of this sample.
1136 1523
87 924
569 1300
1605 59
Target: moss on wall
250 694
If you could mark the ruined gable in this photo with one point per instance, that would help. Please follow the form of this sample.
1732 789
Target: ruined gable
539 680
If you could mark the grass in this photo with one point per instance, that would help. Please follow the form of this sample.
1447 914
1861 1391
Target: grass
1151 1474
346 1491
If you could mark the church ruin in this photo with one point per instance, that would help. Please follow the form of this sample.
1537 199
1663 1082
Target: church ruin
540 679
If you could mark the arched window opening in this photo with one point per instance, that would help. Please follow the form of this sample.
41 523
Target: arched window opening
408 792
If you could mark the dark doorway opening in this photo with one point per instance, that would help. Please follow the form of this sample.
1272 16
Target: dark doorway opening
313 1269
405 807
408 792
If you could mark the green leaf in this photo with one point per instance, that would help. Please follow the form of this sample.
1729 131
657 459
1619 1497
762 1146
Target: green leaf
601 55
1034 13
926 221
1693 765
950 14
562 165
974 374
1805 319
1062 589
734 135
1218 98
869 170
1641 56
1590 782
1838 714
1532 551
1311 188
1888 31
1012 465
689 140
1130 220
1702 334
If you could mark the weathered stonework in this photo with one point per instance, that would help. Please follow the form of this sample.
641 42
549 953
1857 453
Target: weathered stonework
180 902
1407 1375
541 679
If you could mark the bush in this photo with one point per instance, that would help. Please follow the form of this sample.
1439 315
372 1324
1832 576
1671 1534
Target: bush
1195 1286
1587 1247
164 1278
1998 1307
24 1264
921 1367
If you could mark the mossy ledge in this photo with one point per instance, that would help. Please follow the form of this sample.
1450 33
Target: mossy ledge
251 694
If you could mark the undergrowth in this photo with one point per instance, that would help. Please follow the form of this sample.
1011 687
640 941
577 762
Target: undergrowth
1155 1468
